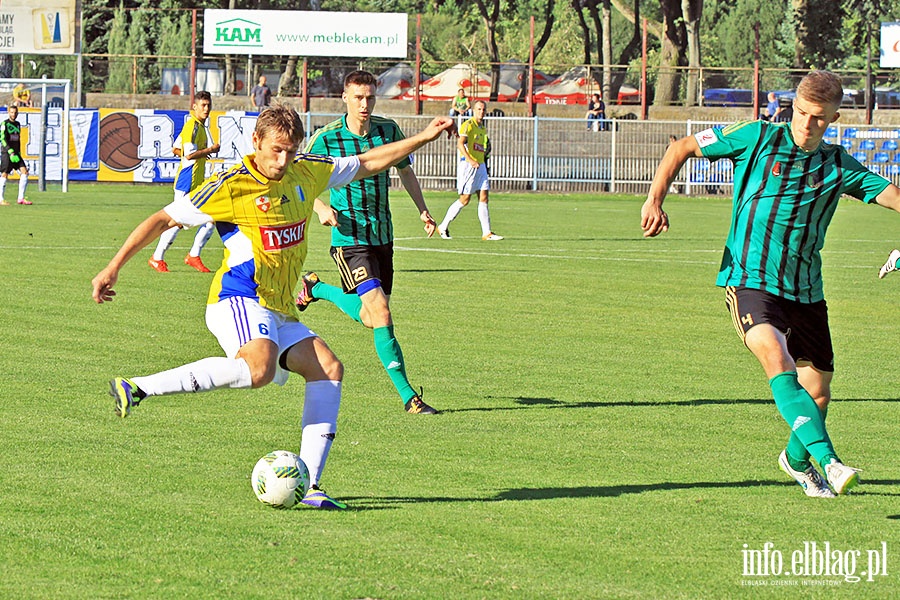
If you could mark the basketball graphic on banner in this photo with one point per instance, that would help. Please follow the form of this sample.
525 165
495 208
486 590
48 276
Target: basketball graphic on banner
120 136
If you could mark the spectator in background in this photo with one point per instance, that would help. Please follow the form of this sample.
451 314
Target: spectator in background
596 111
21 95
773 108
261 95
460 106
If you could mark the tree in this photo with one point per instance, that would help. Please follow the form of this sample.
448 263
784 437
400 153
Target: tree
490 14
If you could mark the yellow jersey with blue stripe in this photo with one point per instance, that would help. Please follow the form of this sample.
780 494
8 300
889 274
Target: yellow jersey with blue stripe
263 225
191 173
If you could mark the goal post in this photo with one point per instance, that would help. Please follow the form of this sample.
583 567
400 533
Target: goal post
44 107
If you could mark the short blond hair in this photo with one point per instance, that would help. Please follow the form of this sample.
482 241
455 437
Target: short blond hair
822 87
280 118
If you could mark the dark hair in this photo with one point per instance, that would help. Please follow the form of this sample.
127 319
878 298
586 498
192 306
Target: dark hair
359 78
477 102
278 119
203 95
823 87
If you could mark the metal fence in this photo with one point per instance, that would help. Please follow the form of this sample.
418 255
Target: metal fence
566 155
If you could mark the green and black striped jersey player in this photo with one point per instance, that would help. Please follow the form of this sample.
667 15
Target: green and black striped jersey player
362 235
787 183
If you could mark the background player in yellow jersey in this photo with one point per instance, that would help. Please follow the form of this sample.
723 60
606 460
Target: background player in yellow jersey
191 146
261 208
472 173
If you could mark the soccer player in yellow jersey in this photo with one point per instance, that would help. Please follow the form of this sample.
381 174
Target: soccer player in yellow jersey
261 208
191 146
472 173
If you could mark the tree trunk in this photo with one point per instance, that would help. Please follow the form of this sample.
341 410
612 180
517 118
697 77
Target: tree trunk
692 9
287 85
671 55
801 52
606 25
585 31
490 23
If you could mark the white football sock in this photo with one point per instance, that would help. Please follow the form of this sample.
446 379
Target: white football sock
485 217
452 213
320 412
165 241
201 376
23 183
203 235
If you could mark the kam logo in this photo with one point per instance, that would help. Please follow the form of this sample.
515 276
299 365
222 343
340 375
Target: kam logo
238 33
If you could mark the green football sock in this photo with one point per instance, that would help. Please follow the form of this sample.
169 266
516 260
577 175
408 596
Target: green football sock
388 350
350 304
797 454
803 416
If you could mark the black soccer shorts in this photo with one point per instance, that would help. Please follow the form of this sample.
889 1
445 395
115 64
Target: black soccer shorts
804 325
359 264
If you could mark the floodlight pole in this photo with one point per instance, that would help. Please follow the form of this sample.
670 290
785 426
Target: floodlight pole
870 90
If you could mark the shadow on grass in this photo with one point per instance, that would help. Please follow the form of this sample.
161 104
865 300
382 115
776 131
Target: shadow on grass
610 491
524 402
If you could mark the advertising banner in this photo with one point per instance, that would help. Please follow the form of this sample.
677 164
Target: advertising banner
304 33
133 145
890 45
30 27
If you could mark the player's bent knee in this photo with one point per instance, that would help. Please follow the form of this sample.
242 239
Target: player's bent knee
333 369
261 376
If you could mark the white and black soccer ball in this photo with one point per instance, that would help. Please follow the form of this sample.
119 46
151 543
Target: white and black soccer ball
280 479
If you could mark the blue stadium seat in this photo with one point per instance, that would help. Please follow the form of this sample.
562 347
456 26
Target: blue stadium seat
893 170
867 145
831 132
860 156
847 143
850 132
889 145
897 158
881 157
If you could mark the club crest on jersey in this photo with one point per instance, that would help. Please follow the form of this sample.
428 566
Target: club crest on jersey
776 170
814 180
284 236
263 203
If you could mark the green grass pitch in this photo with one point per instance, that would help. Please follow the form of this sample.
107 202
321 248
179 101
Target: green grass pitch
604 434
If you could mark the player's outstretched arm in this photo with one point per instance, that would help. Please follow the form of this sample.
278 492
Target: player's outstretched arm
414 189
654 219
142 235
889 198
381 158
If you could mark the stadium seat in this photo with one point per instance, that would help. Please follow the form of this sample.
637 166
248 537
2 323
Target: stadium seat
889 145
847 144
897 158
850 132
831 132
867 145
881 157
893 170
860 156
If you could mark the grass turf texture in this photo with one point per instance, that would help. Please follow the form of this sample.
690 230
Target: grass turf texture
604 434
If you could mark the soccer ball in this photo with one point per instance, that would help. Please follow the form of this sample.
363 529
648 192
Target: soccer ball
280 479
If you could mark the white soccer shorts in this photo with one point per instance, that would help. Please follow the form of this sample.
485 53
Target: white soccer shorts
236 321
470 179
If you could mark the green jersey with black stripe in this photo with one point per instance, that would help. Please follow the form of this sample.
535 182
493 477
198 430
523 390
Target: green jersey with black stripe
784 200
363 210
